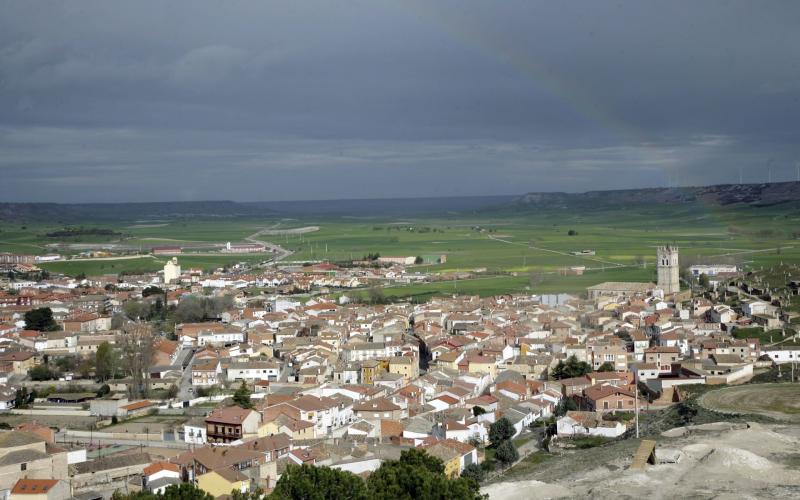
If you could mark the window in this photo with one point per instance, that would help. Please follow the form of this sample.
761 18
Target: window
23 466
605 405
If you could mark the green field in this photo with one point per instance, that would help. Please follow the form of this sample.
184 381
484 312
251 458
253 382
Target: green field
144 264
515 251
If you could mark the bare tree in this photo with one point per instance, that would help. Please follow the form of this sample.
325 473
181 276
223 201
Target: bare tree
136 346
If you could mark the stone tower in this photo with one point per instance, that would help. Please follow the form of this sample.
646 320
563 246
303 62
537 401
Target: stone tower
172 270
668 269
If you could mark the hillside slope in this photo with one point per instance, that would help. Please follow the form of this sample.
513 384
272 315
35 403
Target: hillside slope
717 195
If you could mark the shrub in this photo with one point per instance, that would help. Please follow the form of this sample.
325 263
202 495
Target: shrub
506 452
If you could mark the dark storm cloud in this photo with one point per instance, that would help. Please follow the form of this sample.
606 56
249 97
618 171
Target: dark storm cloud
271 100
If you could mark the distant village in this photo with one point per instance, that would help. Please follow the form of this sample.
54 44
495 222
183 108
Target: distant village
136 382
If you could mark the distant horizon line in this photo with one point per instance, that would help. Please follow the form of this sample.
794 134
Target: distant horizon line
392 198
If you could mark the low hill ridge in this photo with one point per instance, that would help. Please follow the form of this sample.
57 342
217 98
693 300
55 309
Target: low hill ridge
717 195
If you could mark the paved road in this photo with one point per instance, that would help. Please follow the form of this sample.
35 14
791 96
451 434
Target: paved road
280 253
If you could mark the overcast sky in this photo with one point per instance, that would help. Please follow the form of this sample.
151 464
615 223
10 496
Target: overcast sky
261 100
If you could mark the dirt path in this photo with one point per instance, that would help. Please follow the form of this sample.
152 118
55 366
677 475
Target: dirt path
558 252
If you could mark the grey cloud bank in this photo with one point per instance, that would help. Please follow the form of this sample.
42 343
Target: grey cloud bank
182 100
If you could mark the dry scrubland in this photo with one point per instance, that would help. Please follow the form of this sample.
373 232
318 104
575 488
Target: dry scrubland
722 460
715 461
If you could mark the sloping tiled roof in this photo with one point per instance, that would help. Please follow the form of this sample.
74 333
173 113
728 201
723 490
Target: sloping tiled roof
13 439
232 415
159 466
33 486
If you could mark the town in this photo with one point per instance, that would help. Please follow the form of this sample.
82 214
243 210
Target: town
414 250
139 382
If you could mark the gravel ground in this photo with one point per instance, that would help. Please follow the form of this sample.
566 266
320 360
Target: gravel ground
755 462
778 401
743 442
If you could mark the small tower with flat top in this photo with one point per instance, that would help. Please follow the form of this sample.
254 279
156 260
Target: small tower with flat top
668 269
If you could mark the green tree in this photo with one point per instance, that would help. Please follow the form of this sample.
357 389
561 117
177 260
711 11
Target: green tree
500 431
189 310
703 280
256 494
21 398
135 310
42 372
606 367
183 491
66 363
569 369
104 361
419 260
156 310
506 452
417 476
152 290
477 410
242 396
473 472
565 405
318 483
41 319
104 389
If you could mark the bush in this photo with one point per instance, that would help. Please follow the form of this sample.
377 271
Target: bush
500 431
474 472
583 443
114 420
506 452
570 368
42 372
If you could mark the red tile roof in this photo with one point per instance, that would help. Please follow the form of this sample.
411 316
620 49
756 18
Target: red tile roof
159 466
33 486
137 405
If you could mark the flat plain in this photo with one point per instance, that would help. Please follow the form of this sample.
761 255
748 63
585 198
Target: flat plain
512 250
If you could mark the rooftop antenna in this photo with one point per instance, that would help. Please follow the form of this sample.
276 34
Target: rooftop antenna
740 175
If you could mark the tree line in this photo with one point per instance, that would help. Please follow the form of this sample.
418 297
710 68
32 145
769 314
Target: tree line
415 476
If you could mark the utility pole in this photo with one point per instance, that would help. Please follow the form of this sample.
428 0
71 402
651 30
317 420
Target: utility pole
636 406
